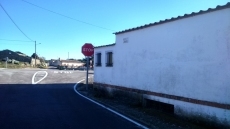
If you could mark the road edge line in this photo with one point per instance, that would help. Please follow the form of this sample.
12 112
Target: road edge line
107 108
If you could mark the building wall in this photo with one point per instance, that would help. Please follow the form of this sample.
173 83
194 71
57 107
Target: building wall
102 73
71 64
54 62
65 63
33 61
188 58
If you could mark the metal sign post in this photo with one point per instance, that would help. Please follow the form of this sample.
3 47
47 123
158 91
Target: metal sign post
87 72
88 50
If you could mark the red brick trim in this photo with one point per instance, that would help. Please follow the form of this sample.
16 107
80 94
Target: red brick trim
180 98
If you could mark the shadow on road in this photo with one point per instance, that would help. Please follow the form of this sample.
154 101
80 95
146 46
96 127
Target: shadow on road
52 106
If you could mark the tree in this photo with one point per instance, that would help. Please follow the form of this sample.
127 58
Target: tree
91 61
35 55
42 59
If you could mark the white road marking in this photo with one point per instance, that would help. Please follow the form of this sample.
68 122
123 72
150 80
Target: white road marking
41 78
103 106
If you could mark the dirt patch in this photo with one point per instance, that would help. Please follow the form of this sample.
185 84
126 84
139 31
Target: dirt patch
134 109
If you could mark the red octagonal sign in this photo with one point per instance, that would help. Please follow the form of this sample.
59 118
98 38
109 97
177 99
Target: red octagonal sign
87 49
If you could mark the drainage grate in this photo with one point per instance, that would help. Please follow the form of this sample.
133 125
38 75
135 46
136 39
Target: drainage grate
165 107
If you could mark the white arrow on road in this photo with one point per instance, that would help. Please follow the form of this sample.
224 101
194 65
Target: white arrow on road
40 72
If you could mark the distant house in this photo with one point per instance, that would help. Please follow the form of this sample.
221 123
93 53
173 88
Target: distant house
67 63
182 62
54 62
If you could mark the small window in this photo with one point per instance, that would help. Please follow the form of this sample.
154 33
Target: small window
109 59
125 40
98 61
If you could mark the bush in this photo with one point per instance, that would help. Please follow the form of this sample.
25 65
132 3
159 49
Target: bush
15 62
9 61
42 65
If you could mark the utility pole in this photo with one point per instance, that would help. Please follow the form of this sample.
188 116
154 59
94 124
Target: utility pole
35 54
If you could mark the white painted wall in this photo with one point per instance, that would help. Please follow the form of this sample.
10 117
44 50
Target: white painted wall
72 64
102 72
189 57
33 61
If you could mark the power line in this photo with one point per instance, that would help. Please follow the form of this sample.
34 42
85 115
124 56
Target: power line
16 44
15 23
16 40
67 16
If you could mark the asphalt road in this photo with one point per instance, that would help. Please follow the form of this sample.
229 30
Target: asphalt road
50 102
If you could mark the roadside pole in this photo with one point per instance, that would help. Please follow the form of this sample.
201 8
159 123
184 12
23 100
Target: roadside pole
87 72
87 50
6 61
35 55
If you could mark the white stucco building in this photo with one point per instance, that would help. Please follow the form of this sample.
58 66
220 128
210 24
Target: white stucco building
68 63
183 61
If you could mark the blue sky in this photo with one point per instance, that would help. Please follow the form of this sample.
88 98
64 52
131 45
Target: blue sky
93 21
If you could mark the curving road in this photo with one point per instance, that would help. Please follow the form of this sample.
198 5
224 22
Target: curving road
50 102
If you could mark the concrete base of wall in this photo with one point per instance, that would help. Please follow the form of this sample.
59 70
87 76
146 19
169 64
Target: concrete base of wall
136 98
133 98
199 114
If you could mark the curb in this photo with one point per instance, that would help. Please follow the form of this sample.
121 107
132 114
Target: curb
123 113
114 110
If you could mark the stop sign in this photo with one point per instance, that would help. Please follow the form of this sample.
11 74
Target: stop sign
87 49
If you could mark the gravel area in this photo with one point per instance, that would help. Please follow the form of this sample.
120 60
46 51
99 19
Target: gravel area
150 117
